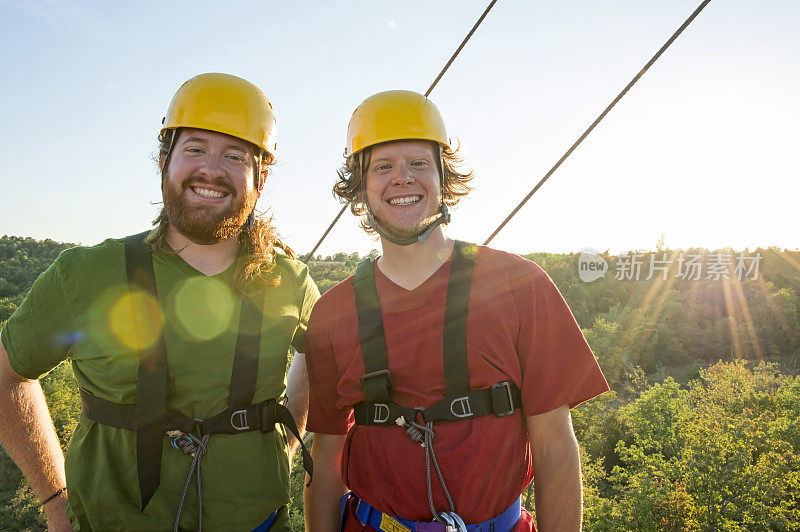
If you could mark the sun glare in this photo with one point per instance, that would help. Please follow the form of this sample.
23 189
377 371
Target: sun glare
204 307
140 328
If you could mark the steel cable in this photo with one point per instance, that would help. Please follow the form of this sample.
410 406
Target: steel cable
599 118
427 93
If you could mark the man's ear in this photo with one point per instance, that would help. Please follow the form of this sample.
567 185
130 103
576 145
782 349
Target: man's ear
262 178
162 157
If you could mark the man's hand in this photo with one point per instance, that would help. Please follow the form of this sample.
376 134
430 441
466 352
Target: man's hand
322 497
556 471
28 435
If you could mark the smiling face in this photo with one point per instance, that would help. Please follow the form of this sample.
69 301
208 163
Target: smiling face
402 184
208 186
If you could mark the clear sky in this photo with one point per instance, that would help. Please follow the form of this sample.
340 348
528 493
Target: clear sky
703 150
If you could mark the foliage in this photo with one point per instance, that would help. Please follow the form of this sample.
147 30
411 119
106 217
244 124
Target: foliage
715 456
296 482
681 443
333 269
21 261
679 324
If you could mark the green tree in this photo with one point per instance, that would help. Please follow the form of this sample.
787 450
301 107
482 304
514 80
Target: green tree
717 456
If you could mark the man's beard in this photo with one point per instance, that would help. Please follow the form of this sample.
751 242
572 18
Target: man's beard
409 229
205 225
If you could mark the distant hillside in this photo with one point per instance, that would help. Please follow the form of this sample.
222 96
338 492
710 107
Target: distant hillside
21 262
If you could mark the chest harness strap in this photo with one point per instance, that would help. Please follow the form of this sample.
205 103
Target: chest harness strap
379 408
151 419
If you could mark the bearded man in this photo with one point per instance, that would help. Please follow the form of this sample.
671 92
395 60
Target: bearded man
179 338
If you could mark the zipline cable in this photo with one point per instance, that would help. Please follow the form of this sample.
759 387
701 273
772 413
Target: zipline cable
460 46
328 230
427 93
599 118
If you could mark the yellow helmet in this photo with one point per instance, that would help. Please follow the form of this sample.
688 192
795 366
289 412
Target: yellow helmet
225 104
394 115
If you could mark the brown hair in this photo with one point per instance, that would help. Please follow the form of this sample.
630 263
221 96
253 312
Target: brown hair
348 188
257 253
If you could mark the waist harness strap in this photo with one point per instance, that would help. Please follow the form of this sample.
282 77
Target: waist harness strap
261 416
369 515
501 400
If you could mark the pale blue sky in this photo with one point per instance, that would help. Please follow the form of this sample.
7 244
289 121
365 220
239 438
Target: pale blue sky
702 150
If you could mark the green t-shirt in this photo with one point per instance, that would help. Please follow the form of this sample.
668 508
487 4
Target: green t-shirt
80 308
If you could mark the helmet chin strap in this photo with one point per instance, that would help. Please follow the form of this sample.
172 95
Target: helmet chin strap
420 237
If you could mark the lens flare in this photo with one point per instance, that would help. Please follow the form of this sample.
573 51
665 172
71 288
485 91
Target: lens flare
204 307
135 320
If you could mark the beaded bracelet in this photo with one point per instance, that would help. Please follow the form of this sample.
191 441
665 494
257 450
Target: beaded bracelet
54 495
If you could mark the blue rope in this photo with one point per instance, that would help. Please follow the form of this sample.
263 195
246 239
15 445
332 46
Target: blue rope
191 444
424 433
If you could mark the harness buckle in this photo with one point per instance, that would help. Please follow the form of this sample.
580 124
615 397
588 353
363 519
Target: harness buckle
268 414
380 412
460 407
239 420
507 386
388 383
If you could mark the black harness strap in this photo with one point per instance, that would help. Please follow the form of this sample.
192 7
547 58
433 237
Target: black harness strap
501 399
245 359
261 417
107 413
456 373
151 382
376 381
375 413
459 403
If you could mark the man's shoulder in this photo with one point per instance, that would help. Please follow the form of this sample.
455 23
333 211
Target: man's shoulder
289 271
334 312
341 291
337 299
495 260
290 265
82 257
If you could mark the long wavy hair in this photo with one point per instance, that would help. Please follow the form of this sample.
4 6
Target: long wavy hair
258 243
455 182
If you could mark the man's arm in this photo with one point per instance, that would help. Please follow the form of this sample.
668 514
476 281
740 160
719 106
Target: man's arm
556 471
297 398
322 497
28 435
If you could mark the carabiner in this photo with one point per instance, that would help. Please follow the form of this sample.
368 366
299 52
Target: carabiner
185 441
453 522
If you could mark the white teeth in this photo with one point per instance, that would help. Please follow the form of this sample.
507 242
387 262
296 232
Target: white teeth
404 201
206 193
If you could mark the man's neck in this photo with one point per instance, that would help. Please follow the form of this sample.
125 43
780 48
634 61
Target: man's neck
410 266
208 260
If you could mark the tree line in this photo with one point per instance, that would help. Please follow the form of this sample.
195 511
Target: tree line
701 430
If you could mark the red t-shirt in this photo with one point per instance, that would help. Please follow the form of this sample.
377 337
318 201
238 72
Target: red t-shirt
519 328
